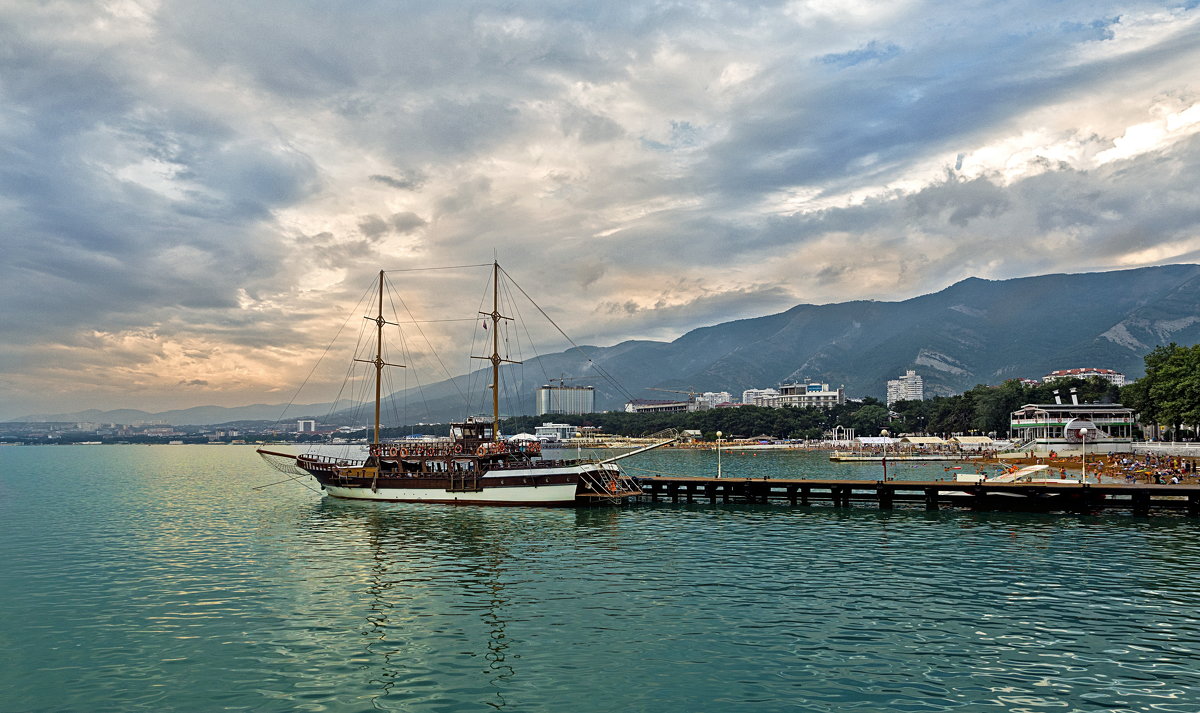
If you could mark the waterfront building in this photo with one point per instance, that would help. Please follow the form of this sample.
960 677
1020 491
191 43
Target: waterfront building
306 426
909 387
658 406
810 394
1115 377
554 432
566 399
757 397
1056 427
711 399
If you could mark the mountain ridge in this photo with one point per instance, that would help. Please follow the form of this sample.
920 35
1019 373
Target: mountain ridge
974 331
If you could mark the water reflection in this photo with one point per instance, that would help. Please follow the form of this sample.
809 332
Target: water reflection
433 583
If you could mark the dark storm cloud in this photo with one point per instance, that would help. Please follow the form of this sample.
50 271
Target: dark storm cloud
176 178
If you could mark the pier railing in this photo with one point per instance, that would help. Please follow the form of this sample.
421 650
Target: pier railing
1186 450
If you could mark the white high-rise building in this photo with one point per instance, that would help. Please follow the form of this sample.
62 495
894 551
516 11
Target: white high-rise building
755 396
566 399
710 399
909 387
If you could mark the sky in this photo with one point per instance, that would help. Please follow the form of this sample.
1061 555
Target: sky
194 196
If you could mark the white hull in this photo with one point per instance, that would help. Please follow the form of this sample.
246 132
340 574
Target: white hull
516 495
492 492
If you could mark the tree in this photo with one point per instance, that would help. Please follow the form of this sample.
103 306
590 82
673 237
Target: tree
869 419
1170 392
993 406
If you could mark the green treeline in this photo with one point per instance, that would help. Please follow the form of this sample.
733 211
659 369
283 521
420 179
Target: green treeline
982 410
1169 395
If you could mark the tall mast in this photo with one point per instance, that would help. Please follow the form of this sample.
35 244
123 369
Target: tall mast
378 355
378 360
495 357
495 350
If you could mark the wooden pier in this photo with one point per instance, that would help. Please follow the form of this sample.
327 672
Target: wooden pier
929 494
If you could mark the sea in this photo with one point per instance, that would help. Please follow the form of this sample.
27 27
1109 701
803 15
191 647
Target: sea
195 578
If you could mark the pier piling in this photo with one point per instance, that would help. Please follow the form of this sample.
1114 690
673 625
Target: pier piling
932 495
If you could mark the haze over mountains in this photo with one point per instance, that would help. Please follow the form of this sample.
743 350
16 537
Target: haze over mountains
196 416
973 332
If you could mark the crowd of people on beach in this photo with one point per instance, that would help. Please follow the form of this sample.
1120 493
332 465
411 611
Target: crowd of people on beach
1131 468
1109 468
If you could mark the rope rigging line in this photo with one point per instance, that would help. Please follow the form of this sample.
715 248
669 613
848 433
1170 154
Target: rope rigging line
398 296
399 412
510 388
431 321
392 296
362 396
297 478
356 408
323 354
447 267
532 346
599 370
472 373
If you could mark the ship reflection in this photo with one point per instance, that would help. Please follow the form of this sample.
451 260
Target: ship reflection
417 569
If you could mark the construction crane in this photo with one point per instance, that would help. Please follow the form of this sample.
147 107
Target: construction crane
562 380
691 394
692 404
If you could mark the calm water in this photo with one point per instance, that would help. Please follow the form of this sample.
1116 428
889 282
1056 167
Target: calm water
143 578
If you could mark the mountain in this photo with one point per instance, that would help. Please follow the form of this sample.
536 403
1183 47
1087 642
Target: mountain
196 416
974 332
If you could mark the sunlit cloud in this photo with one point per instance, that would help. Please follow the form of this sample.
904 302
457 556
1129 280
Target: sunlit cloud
195 195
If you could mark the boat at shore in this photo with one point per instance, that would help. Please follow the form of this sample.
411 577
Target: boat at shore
474 466
1029 474
1031 498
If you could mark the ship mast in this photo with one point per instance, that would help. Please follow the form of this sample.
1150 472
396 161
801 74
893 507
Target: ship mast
378 361
378 355
495 358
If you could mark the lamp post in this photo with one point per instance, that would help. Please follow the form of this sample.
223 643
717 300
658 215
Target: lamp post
718 454
1083 464
885 434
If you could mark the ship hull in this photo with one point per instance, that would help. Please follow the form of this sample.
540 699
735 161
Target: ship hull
531 495
542 487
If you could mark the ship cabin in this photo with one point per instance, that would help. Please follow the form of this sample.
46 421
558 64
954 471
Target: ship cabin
471 449
1072 428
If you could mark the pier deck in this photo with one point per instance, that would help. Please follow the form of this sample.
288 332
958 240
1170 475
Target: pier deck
929 494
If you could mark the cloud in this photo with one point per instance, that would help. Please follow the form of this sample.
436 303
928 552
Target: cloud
408 181
406 222
204 188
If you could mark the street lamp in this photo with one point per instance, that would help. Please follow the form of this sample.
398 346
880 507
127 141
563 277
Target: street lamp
885 434
718 454
1083 464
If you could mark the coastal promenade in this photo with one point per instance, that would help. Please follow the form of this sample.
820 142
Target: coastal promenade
1139 499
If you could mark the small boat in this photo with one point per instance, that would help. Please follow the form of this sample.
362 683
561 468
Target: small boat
1028 474
1033 499
474 466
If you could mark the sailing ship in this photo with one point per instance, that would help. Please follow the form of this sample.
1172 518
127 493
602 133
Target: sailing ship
474 466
